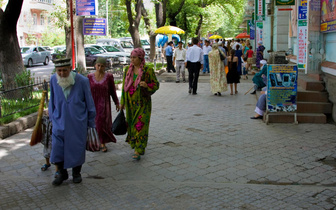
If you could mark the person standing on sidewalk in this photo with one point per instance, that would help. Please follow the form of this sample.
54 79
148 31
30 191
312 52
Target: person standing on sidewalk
206 50
179 58
72 112
169 57
194 63
139 83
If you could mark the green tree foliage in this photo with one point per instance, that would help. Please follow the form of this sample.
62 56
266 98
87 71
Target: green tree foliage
200 17
52 37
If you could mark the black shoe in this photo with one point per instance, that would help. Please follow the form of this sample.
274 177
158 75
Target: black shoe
254 92
77 178
215 94
254 118
219 94
177 81
60 178
189 91
194 93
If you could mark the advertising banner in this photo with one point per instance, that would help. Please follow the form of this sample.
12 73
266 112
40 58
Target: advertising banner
259 10
86 7
302 34
259 32
252 30
284 2
282 88
94 26
328 16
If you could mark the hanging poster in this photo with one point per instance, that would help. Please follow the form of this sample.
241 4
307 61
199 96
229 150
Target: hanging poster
328 16
86 7
252 31
282 88
259 32
259 10
302 35
94 26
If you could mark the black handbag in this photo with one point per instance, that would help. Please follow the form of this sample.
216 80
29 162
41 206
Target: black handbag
221 55
119 126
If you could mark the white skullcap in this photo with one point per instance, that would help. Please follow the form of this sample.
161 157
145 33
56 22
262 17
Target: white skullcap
263 62
260 42
220 42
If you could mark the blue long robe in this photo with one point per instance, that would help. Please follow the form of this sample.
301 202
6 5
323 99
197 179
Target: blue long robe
70 118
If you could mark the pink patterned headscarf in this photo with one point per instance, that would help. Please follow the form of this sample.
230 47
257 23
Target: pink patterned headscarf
139 52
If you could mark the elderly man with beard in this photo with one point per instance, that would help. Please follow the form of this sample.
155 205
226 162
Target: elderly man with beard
72 112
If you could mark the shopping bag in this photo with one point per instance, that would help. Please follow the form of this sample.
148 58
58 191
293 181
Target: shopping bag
46 130
119 126
92 140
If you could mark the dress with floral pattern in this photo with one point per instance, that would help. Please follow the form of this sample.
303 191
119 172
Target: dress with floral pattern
217 73
138 107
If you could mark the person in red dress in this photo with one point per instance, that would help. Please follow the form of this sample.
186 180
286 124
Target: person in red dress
102 88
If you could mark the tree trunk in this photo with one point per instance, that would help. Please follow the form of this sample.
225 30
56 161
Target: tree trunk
79 40
10 55
81 64
172 16
198 29
134 22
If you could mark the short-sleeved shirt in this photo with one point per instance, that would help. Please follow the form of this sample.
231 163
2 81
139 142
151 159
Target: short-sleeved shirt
250 53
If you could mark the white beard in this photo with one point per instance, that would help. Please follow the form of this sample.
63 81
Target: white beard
65 82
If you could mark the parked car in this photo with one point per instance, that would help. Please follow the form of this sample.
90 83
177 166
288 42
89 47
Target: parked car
91 55
124 58
126 44
35 54
145 45
47 48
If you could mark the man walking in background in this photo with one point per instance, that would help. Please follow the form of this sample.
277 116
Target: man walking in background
194 63
169 57
179 58
206 50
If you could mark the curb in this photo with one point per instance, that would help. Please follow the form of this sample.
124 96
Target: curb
18 125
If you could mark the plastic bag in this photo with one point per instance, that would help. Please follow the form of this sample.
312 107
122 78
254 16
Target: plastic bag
119 126
92 140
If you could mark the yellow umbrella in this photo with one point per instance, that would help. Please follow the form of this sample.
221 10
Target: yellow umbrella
215 37
169 30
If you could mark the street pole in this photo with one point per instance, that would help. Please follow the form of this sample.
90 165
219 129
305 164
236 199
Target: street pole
107 26
72 37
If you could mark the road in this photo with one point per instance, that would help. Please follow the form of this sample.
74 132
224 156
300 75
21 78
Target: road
42 71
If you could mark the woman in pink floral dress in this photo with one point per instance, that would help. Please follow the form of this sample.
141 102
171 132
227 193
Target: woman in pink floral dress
139 84
102 88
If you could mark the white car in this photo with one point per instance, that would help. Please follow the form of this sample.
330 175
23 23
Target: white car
35 54
123 57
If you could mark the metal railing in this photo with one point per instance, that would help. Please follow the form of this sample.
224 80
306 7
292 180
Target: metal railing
18 99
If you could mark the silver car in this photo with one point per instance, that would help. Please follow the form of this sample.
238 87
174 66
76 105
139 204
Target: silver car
34 55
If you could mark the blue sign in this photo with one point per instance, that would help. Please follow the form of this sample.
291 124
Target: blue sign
282 88
252 31
302 14
86 7
94 26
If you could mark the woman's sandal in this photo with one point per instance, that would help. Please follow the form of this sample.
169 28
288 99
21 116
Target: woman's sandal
45 167
103 148
136 157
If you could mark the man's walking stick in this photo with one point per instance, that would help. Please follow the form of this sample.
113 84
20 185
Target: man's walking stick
249 90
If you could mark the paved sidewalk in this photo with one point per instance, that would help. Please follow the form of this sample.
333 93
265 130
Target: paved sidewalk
204 152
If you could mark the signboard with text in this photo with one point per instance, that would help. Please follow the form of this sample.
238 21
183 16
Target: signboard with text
284 2
328 16
86 7
259 32
252 30
94 26
282 88
259 10
302 34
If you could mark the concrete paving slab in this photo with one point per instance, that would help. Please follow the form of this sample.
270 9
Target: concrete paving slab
204 152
